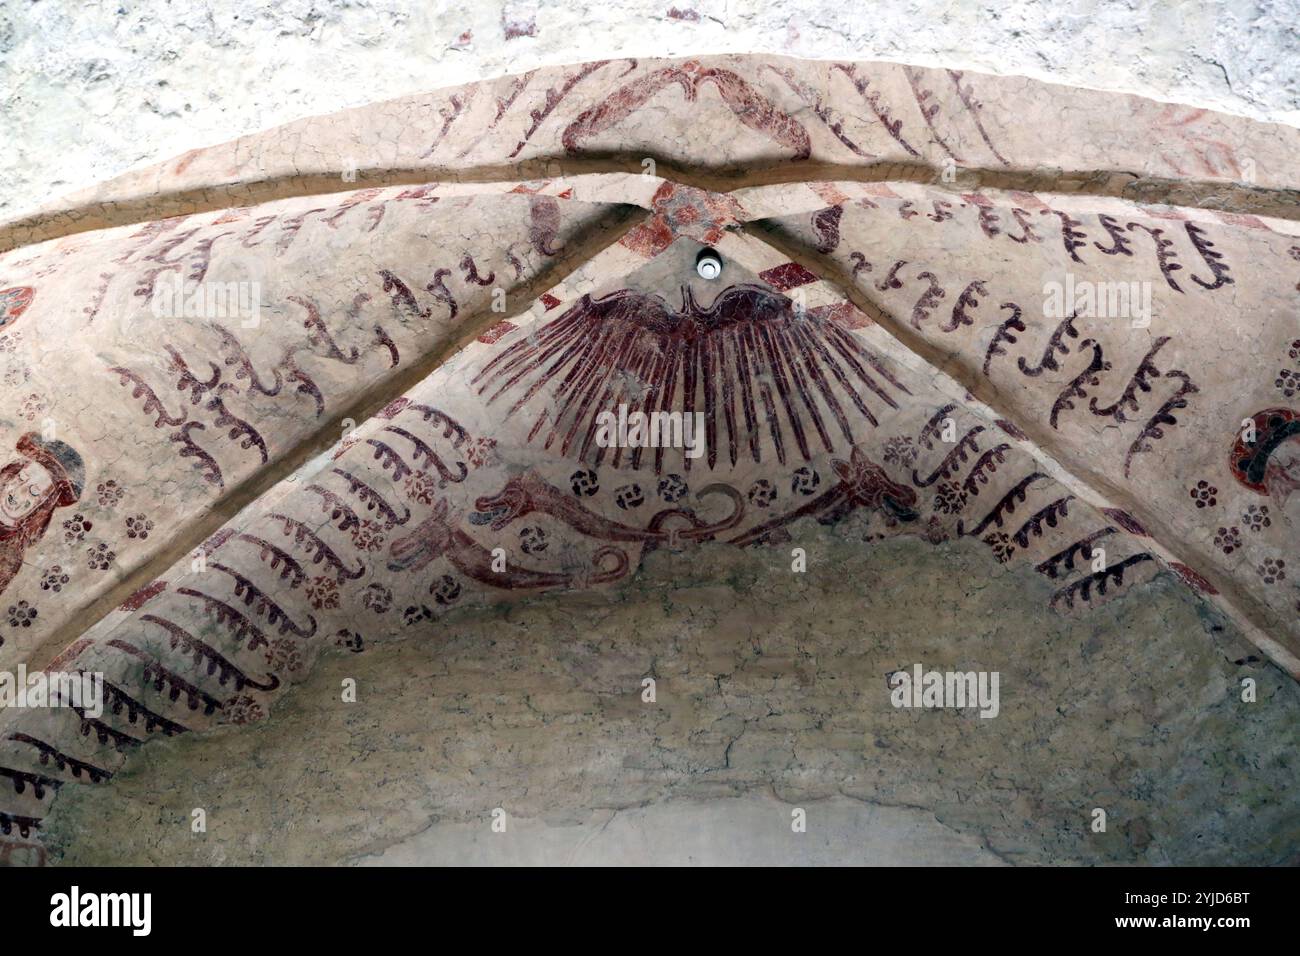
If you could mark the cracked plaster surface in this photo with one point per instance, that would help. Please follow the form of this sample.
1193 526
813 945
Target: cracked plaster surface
234 495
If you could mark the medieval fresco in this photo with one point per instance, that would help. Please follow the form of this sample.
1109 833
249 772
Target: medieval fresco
266 404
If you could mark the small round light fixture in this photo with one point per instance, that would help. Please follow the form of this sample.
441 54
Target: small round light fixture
708 264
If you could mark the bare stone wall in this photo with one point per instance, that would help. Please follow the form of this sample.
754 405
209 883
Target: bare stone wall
770 695
88 90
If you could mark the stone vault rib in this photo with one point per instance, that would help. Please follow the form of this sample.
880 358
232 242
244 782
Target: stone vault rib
816 407
833 120
957 380
225 408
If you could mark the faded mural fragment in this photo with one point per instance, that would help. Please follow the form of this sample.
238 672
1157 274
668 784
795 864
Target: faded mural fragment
367 403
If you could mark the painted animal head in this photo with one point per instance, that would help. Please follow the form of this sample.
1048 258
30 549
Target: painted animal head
869 486
515 500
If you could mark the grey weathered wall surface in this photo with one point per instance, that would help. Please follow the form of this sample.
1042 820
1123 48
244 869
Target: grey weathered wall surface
771 695
90 89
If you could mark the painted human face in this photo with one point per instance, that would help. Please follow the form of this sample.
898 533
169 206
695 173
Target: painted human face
23 492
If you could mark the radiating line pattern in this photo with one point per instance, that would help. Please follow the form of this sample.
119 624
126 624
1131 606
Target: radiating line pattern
760 373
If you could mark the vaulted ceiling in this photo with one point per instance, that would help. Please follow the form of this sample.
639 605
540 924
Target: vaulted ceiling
917 323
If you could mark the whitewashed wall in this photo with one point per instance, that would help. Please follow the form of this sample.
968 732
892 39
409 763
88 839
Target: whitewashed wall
88 89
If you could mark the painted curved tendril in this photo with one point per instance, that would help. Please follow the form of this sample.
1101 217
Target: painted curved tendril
438 418
928 300
290 227
554 96
1154 429
1072 238
987 465
52 755
1214 260
385 341
278 556
1166 256
373 499
263 606
873 99
152 404
1079 385
1004 335
118 700
1055 345
389 459
166 681
1140 382
216 662
1120 245
22 779
831 118
890 279
1065 558
106 735
934 425
307 539
1028 233
929 109
1006 505
1050 515
186 379
966 93
543 230
470 268
437 287
968 446
235 356
239 626
206 465
431 458
319 334
1100 581
237 428
967 300
304 383
338 509
401 293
